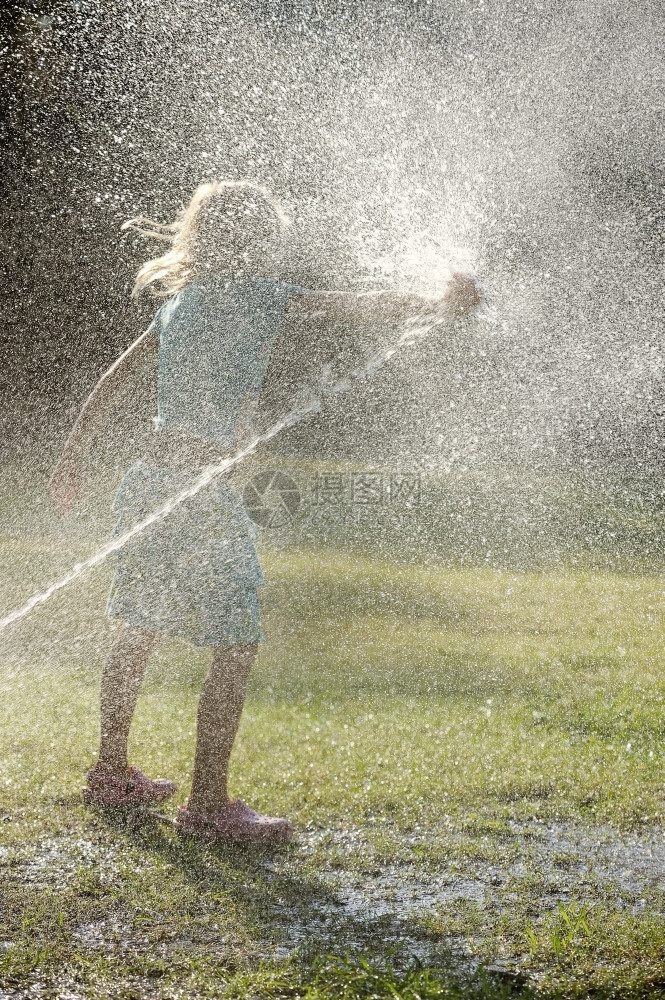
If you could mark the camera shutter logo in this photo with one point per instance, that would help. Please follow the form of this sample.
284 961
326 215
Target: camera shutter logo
272 499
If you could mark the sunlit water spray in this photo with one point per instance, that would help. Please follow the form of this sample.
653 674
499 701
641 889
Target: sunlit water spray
326 386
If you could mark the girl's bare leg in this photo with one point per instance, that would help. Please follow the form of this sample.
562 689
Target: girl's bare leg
121 682
220 708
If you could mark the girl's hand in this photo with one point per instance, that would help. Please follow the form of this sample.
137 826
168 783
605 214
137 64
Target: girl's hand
463 294
65 486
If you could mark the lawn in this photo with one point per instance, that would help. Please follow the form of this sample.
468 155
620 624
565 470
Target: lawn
461 710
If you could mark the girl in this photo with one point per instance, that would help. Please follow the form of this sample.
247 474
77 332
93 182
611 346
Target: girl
195 573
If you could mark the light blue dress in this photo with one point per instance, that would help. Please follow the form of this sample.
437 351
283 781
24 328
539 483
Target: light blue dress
195 572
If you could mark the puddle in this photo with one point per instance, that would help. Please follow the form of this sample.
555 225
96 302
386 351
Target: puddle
364 894
562 861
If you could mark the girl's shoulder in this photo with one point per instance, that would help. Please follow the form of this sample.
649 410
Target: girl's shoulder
212 291
165 313
183 302
250 282
266 290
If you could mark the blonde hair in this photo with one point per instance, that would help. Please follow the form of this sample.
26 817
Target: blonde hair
228 226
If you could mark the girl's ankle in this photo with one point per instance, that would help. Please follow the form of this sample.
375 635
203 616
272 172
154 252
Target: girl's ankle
204 807
110 768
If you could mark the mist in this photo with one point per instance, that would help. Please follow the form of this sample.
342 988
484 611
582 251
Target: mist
523 143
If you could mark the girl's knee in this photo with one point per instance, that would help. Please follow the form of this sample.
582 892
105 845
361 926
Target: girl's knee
235 654
231 665
137 637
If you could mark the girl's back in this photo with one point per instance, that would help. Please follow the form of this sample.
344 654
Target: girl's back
216 336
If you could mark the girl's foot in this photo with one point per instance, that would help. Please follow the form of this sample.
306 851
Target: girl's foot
128 789
236 821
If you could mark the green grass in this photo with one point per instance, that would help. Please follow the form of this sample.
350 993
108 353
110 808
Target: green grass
436 712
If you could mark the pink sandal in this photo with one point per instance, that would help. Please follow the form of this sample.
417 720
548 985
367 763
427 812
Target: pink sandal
128 789
236 821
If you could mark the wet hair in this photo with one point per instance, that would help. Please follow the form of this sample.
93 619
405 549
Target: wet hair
229 226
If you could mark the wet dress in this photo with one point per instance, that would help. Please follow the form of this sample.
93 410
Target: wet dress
195 573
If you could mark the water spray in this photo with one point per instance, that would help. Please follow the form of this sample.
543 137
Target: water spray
310 403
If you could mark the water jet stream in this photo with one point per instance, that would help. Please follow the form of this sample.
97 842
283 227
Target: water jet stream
326 387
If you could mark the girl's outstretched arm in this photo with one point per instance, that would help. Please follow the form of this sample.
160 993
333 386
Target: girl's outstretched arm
65 485
461 296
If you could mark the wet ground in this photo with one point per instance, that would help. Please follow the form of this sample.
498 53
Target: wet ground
363 891
548 862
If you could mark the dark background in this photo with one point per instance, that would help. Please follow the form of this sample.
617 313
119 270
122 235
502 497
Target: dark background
106 112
